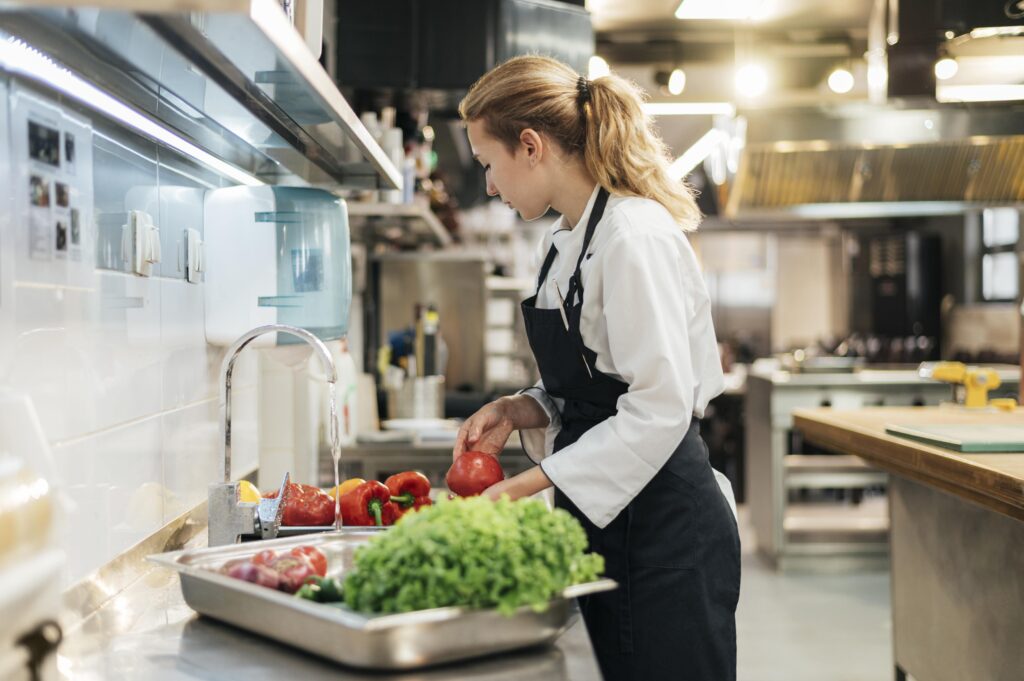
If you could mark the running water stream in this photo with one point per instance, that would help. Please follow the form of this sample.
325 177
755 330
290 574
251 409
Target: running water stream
335 453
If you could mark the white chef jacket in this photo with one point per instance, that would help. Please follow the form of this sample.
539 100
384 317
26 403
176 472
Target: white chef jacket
647 315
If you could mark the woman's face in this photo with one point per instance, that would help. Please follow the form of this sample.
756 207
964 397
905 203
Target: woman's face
517 178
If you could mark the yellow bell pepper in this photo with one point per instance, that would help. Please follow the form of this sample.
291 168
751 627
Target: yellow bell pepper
345 487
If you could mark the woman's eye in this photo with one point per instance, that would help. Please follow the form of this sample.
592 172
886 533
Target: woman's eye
487 168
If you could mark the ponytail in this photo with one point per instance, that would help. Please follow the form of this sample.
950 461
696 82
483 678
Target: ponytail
602 121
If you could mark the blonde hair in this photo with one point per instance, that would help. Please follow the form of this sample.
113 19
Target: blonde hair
601 120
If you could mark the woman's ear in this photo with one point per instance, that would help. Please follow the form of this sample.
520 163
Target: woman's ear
532 144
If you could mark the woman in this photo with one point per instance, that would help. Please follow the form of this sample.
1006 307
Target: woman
621 330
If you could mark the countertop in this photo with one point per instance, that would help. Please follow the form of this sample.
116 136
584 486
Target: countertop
865 377
994 480
148 632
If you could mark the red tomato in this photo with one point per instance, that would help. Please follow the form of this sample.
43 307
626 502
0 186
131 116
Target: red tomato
305 505
472 473
264 557
293 571
315 557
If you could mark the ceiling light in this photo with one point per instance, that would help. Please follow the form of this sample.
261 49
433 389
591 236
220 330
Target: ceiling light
946 68
18 57
840 81
720 9
597 68
689 109
693 156
751 80
677 82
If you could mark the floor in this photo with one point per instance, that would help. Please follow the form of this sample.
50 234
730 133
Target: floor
801 627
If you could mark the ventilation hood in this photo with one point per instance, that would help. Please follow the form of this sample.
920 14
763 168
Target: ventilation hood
862 161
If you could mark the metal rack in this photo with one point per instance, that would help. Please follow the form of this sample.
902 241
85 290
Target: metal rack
236 80
418 222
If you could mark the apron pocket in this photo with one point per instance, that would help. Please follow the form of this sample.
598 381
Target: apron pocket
662 528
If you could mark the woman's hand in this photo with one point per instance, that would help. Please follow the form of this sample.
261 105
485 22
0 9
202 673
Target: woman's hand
488 429
485 431
525 484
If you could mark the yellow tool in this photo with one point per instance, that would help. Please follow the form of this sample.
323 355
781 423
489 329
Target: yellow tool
976 382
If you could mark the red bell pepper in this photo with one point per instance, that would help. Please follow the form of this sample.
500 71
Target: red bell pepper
305 505
409 490
368 505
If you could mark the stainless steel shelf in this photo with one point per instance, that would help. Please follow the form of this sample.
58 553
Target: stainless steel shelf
826 471
867 522
233 77
410 213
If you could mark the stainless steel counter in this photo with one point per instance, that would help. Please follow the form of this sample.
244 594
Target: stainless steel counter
868 377
147 632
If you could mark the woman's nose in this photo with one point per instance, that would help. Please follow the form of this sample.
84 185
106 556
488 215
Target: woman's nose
491 189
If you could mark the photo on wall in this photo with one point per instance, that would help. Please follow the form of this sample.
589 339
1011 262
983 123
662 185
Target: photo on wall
76 230
43 144
62 235
39 191
69 153
63 195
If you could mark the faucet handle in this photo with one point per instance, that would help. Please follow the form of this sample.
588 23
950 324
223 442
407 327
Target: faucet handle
269 512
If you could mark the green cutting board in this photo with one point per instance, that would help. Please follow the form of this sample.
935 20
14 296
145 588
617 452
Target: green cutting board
964 438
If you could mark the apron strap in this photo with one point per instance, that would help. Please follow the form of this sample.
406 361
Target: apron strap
548 260
575 282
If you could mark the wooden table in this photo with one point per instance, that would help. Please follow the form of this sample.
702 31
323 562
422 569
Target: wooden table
957 540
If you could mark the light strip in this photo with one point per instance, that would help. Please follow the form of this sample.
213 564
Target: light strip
20 58
700 150
722 10
979 93
689 109
871 209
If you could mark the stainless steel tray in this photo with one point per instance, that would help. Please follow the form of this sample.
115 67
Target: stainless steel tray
401 641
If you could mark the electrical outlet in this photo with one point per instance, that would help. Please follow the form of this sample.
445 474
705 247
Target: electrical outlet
143 242
195 259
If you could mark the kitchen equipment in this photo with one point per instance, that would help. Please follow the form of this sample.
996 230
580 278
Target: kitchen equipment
417 398
455 283
276 255
230 518
972 384
399 641
30 565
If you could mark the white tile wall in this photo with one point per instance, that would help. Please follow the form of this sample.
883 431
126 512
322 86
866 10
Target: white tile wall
126 389
113 480
117 366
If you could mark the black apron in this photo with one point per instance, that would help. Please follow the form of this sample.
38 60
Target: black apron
674 550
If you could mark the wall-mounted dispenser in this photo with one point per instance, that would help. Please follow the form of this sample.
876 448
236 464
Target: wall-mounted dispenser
276 255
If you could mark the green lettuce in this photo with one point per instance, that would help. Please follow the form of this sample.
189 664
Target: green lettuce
471 552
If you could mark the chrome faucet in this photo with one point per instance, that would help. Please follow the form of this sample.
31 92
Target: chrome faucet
230 518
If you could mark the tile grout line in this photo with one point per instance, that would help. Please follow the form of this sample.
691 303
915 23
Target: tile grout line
126 424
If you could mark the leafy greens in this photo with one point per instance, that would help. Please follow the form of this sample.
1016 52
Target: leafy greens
472 552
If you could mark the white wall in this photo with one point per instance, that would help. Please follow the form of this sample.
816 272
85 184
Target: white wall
811 291
117 366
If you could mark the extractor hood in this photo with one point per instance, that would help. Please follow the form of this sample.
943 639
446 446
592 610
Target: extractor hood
863 161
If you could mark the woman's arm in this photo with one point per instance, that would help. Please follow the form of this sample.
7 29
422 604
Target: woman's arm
525 484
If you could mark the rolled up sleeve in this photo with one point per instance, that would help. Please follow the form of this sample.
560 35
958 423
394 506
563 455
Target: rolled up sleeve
539 443
642 292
